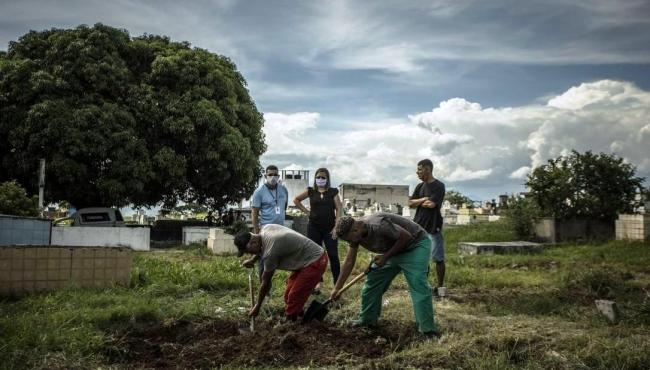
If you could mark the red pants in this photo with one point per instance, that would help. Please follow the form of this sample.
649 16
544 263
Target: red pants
300 284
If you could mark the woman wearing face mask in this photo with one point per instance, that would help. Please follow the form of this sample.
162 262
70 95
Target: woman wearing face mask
324 210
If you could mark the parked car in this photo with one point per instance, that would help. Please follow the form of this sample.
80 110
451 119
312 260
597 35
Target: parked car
96 216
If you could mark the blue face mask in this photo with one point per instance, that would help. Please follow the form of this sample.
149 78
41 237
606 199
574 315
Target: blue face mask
321 182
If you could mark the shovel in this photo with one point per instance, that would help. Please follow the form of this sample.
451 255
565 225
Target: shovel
319 310
251 328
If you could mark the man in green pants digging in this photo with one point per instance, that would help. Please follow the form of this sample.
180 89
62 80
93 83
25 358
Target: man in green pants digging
403 246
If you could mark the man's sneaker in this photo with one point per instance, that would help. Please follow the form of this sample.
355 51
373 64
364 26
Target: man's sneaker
439 292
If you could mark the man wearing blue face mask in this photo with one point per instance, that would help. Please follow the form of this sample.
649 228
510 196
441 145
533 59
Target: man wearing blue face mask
269 203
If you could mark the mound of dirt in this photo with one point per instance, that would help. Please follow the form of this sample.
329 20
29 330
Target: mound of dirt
217 343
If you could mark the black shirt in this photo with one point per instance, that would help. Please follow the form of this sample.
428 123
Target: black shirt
429 218
321 210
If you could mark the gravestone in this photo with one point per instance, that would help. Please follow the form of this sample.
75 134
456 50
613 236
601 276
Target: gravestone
499 247
221 243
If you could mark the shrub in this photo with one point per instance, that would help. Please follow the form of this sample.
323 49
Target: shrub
14 200
521 215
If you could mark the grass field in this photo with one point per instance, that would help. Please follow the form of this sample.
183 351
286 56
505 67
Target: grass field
184 307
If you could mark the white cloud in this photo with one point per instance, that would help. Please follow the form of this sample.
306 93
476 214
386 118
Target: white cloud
520 173
463 174
284 132
600 94
479 147
398 37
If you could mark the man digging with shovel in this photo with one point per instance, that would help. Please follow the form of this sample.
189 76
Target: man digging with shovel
404 246
284 249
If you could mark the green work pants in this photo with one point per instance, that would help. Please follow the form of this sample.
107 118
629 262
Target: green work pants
415 264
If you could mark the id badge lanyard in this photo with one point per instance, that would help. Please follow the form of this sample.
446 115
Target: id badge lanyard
275 198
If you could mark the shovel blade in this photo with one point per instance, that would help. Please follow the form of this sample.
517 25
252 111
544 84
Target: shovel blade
316 311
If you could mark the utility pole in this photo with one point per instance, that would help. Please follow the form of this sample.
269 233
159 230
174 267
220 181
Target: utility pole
41 186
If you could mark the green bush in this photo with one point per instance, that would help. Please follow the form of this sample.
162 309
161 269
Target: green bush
14 200
521 215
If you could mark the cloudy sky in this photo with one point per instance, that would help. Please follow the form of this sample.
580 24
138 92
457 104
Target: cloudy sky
486 89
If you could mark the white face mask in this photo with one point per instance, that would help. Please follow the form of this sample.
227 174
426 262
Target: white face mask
321 182
272 180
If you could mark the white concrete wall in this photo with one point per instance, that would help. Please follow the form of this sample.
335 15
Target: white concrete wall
221 243
135 237
633 227
195 234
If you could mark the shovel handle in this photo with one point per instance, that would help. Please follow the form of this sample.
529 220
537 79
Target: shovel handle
250 287
351 283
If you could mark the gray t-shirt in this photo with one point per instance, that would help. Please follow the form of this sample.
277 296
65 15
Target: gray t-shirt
382 233
285 249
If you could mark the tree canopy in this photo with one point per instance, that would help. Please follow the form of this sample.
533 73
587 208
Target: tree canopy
457 199
585 185
124 120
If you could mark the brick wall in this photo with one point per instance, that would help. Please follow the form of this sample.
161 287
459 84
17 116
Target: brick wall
33 268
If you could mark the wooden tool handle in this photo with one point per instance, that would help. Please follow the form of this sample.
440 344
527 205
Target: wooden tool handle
250 287
351 283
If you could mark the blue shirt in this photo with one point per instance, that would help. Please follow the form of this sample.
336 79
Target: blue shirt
267 200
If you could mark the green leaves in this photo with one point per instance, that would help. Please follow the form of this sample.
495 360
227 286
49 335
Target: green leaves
14 200
126 121
586 185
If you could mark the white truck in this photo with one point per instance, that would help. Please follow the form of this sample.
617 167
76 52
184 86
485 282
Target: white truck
95 216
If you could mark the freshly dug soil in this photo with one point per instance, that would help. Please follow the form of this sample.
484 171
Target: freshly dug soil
217 343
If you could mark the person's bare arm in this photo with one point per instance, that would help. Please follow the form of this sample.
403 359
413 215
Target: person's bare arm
429 204
255 220
264 290
338 207
297 201
416 202
346 269
249 263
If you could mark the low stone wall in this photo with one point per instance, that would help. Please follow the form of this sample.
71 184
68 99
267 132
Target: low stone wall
195 234
633 227
34 268
520 247
137 238
471 219
552 230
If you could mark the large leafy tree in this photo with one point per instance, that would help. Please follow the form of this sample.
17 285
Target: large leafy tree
585 185
124 120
